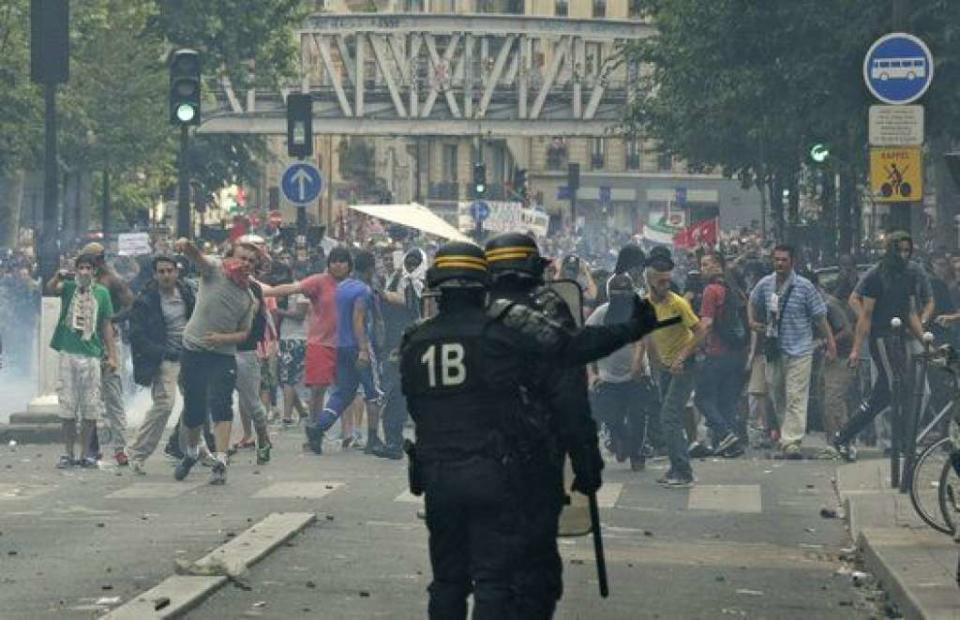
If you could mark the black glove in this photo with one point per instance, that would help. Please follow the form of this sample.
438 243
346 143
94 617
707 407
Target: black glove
644 318
587 465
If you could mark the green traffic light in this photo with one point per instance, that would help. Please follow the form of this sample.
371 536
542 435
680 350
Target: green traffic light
819 153
186 112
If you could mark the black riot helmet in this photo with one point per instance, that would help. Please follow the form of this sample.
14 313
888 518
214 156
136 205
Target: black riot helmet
458 264
515 254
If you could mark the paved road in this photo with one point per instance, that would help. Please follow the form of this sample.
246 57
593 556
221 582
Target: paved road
746 542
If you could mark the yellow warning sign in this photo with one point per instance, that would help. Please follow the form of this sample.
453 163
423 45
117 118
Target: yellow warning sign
896 174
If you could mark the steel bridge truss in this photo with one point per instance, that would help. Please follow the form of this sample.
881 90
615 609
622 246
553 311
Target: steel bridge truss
427 74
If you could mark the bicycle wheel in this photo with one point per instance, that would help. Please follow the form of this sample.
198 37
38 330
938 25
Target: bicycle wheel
925 488
948 491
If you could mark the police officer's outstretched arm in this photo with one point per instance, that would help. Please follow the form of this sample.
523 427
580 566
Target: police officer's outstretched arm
574 347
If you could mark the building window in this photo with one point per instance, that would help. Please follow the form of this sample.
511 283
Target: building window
557 155
635 8
596 153
599 8
562 8
450 164
632 149
664 162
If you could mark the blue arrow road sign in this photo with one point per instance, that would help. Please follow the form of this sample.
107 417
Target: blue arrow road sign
301 183
898 68
480 210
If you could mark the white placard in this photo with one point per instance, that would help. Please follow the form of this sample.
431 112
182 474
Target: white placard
133 244
896 125
504 217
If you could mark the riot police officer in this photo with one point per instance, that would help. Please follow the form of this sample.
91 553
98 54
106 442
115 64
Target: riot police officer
468 376
516 269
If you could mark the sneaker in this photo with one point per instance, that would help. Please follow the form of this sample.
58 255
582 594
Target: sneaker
314 439
665 477
137 468
734 451
121 457
66 462
184 467
386 451
791 452
172 451
346 443
637 463
678 481
373 444
263 454
699 451
727 442
218 473
844 450
88 462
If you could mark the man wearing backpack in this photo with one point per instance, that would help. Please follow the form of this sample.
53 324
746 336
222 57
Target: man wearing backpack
723 313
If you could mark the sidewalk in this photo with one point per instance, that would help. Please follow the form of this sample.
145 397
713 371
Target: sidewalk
915 564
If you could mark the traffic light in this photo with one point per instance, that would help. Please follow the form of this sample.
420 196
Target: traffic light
479 178
819 153
185 87
573 177
520 183
49 41
299 125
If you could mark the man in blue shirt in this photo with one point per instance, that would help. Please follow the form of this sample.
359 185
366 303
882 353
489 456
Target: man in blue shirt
784 307
355 366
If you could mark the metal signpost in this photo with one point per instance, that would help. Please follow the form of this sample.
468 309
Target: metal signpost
301 184
897 70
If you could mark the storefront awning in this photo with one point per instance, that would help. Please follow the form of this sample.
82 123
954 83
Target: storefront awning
415 216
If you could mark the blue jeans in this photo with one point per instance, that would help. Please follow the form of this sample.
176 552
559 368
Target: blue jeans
349 378
676 391
718 392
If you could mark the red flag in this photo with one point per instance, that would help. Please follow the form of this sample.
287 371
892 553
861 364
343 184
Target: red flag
704 232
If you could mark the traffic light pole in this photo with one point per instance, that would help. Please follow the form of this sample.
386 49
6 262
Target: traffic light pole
49 248
183 187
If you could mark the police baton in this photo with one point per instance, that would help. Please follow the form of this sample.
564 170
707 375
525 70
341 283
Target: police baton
598 545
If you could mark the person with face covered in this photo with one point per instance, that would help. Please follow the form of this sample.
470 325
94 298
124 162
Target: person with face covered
222 318
615 380
887 291
83 336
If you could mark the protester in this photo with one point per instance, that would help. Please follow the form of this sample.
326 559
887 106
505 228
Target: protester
157 320
784 307
221 320
83 338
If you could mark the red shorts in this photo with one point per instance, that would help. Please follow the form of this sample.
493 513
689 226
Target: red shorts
320 365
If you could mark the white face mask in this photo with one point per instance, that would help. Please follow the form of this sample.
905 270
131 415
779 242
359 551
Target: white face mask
84 280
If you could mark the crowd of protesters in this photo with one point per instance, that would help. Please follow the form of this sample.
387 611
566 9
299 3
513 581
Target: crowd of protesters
768 349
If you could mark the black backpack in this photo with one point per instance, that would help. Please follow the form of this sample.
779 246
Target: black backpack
730 324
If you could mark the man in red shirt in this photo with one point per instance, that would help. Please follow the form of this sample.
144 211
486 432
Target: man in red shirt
321 358
722 373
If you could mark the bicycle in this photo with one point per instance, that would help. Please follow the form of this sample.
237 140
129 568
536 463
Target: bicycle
935 479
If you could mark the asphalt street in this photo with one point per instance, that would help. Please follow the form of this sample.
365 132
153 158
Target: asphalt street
747 541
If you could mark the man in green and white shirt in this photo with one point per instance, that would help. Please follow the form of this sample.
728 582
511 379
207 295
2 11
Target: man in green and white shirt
84 332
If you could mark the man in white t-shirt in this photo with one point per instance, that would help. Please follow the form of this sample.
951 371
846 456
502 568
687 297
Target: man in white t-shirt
616 381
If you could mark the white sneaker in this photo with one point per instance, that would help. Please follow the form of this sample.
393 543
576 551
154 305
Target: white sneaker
137 468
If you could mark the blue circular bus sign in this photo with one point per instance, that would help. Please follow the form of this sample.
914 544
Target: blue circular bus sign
898 68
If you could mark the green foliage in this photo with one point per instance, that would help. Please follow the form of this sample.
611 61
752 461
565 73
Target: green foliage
20 101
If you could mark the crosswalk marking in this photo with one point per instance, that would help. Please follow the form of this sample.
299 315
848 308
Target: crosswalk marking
726 498
10 491
408 497
154 490
607 496
305 490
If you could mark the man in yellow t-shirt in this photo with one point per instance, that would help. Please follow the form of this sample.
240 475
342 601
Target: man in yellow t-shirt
675 347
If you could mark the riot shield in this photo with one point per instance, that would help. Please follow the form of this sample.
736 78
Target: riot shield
575 518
